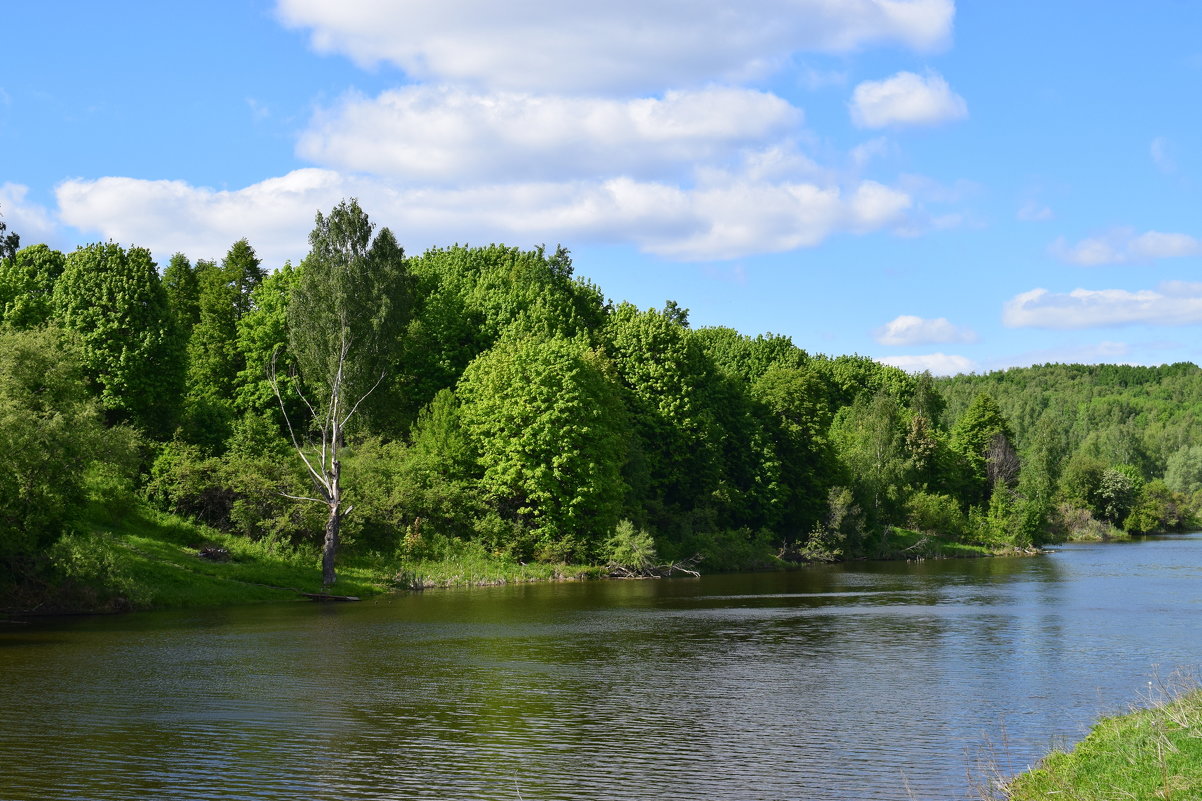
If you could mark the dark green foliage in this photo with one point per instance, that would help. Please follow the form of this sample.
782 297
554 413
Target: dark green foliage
183 293
665 374
10 242
27 281
262 342
239 492
468 297
244 272
114 303
977 436
869 438
50 433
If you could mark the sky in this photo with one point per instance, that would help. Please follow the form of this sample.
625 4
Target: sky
960 187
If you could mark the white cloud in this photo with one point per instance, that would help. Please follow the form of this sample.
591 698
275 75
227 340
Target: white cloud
1162 156
866 152
33 223
937 363
622 45
908 329
1172 303
1123 246
727 216
440 134
1033 211
906 99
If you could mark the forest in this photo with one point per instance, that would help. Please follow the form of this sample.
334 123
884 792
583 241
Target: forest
366 401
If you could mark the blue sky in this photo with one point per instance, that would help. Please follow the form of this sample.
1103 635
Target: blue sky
953 186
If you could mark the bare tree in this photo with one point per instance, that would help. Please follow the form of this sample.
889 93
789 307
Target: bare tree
321 458
1002 462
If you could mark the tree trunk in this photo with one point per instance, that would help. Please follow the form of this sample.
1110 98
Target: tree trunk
329 548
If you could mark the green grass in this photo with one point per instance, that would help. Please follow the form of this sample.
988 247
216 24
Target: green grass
1151 754
903 543
135 557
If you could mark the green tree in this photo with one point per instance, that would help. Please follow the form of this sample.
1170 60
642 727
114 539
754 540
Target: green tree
27 281
975 436
344 316
262 338
114 302
183 294
869 438
1183 473
550 430
244 272
50 431
665 373
10 242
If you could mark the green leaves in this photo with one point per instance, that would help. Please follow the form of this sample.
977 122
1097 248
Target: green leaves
113 301
550 432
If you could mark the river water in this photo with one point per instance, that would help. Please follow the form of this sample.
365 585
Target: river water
860 681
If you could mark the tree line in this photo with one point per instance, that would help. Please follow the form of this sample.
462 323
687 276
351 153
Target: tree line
392 403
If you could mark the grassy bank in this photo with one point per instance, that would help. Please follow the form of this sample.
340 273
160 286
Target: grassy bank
133 557
137 558
1154 753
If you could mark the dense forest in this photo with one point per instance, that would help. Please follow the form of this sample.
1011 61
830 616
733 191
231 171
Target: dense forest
397 403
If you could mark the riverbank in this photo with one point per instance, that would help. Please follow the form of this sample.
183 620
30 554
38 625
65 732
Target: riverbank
136 558
1153 753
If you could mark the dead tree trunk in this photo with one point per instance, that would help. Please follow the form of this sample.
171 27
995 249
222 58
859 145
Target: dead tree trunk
321 458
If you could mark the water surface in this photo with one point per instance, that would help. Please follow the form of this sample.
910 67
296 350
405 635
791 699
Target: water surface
861 681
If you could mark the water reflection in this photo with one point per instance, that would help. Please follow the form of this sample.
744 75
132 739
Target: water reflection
843 682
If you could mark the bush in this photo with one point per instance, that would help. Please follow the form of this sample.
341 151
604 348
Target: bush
629 548
935 514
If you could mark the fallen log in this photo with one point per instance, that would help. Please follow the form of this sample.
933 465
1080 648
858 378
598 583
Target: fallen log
322 596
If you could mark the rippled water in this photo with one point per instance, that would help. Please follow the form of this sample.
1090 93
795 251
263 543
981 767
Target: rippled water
846 682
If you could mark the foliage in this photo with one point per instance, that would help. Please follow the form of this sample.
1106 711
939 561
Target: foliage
547 422
113 302
629 548
935 514
50 433
347 308
27 280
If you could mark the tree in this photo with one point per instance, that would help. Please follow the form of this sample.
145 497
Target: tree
9 243
343 319
548 424
50 430
244 272
975 437
114 302
183 294
27 285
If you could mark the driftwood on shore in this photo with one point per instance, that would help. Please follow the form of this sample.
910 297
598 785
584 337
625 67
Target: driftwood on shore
322 596
684 566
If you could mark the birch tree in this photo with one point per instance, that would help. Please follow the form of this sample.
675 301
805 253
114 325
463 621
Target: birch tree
344 319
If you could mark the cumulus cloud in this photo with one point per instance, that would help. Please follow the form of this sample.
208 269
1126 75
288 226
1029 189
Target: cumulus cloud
623 45
1124 246
32 222
908 329
439 134
1172 303
726 216
937 363
906 99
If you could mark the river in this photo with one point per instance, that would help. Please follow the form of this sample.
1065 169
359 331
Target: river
858 681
